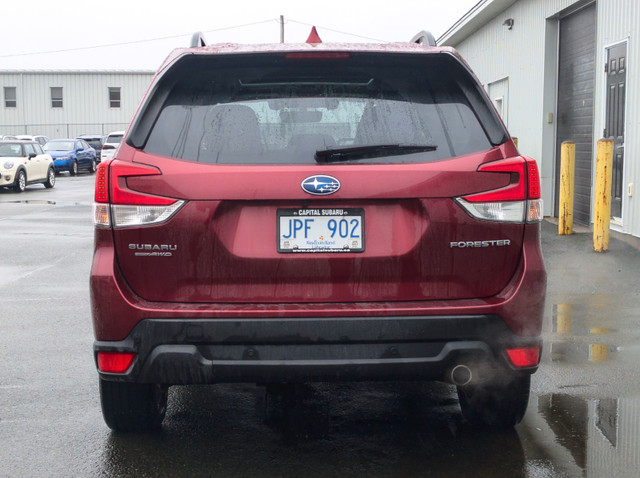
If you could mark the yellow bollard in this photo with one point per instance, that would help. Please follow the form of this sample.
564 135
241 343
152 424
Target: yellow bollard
515 141
602 208
564 323
567 181
598 353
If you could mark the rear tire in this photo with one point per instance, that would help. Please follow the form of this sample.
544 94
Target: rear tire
92 166
133 407
496 405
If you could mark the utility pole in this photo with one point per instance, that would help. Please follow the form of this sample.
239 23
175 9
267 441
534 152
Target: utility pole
281 28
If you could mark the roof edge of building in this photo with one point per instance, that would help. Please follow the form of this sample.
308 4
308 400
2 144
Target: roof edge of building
471 21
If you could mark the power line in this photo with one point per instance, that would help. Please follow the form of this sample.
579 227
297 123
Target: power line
108 45
148 40
337 31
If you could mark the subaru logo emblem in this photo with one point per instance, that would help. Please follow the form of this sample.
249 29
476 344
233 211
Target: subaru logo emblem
320 185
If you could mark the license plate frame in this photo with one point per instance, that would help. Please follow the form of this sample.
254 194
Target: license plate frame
315 224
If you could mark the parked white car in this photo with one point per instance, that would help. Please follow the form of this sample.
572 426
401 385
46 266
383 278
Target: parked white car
41 140
110 146
23 163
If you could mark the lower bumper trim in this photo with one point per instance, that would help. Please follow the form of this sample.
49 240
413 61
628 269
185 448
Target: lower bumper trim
202 351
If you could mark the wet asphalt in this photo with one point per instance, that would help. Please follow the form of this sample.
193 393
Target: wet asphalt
583 418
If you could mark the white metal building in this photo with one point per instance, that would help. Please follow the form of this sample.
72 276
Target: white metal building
543 65
63 104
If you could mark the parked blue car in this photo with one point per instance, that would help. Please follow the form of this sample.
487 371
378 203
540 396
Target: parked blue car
71 155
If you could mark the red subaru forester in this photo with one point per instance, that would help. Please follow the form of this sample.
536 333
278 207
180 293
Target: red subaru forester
315 212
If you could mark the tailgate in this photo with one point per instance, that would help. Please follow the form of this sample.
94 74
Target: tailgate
223 244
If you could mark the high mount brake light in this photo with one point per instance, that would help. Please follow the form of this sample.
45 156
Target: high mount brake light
517 202
320 55
118 206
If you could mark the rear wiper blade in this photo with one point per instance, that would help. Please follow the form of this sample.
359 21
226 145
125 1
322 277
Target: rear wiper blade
371 151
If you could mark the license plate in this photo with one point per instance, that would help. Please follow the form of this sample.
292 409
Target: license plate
321 230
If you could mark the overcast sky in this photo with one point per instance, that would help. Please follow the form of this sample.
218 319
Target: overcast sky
71 34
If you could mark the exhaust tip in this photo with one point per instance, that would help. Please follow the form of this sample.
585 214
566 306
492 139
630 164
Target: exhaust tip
461 375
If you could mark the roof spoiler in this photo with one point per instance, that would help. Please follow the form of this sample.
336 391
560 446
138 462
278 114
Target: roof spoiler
424 38
197 40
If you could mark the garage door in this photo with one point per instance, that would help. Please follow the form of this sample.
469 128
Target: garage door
576 78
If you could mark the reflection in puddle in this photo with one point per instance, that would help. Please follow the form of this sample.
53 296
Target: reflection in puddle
582 345
563 319
607 419
602 436
598 353
568 418
579 353
369 429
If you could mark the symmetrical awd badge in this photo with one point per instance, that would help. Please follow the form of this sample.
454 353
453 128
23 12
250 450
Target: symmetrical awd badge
320 185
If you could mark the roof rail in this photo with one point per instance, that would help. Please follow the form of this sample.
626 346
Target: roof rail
197 39
424 38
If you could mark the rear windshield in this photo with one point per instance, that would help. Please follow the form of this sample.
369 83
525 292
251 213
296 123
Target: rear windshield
114 139
59 146
273 109
94 142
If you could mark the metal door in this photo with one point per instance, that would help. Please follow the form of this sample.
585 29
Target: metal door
576 79
616 71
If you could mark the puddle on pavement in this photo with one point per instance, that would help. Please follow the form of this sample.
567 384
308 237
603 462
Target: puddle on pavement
32 201
601 436
577 339
575 353
42 202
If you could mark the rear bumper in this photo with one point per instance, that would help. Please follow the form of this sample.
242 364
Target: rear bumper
275 350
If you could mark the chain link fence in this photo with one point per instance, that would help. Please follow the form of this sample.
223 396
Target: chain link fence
62 130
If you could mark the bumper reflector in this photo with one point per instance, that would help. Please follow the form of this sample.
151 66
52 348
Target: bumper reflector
525 357
115 362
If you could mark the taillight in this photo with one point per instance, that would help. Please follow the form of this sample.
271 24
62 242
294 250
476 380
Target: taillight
517 202
102 182
118 206
524 357
101 213
120 192
534 179
115 362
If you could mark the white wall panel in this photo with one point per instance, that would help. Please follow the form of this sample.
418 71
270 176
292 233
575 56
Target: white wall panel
527 55
85 102
619 20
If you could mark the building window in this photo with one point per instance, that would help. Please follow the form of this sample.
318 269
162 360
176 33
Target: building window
114 97
56 97
10 97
